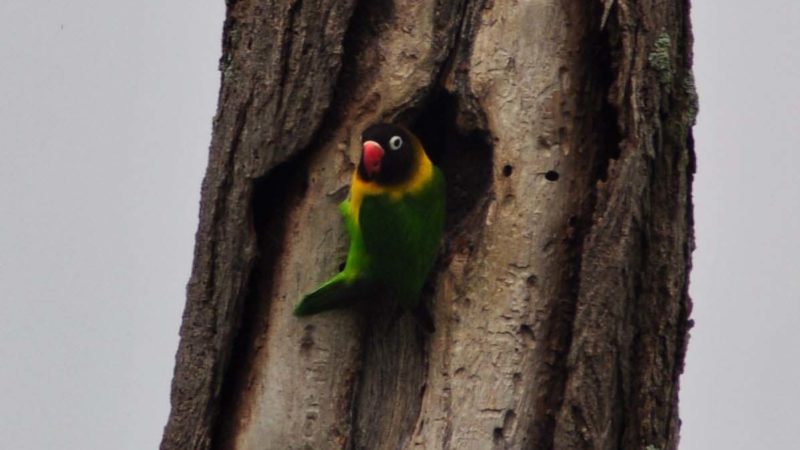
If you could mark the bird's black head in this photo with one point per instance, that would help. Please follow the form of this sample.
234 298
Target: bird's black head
388 155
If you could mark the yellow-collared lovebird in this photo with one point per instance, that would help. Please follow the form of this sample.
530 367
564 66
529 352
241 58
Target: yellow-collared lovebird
394 216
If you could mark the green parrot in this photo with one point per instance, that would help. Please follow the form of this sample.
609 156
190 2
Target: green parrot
395 217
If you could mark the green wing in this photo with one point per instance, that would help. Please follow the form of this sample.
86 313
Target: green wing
340 291
402 238
349 285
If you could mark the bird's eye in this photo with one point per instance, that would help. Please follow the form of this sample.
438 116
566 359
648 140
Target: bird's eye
395 142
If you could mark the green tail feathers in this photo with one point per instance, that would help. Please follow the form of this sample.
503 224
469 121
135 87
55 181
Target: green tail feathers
338 292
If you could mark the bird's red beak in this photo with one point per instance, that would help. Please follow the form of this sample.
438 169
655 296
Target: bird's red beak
373 154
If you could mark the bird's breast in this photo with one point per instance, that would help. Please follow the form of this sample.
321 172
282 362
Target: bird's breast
360 189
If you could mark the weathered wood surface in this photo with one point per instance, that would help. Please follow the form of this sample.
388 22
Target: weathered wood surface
560 295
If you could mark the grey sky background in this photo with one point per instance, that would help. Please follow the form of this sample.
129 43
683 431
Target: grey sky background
105 120
741 386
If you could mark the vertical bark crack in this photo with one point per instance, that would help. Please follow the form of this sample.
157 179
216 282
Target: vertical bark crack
598 130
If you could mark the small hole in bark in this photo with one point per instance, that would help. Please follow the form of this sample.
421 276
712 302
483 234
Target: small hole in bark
526 332
551 175
498 434
342 265
507 170
307 341
573 221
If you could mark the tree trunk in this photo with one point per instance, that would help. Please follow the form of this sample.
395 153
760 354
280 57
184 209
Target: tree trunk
560 294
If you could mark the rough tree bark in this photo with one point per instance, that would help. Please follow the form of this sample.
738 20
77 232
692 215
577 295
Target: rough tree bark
560 295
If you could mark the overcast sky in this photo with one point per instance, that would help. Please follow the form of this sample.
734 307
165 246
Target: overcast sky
741 387
105 119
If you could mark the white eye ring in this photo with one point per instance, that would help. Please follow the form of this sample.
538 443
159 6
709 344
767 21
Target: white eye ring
395 142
